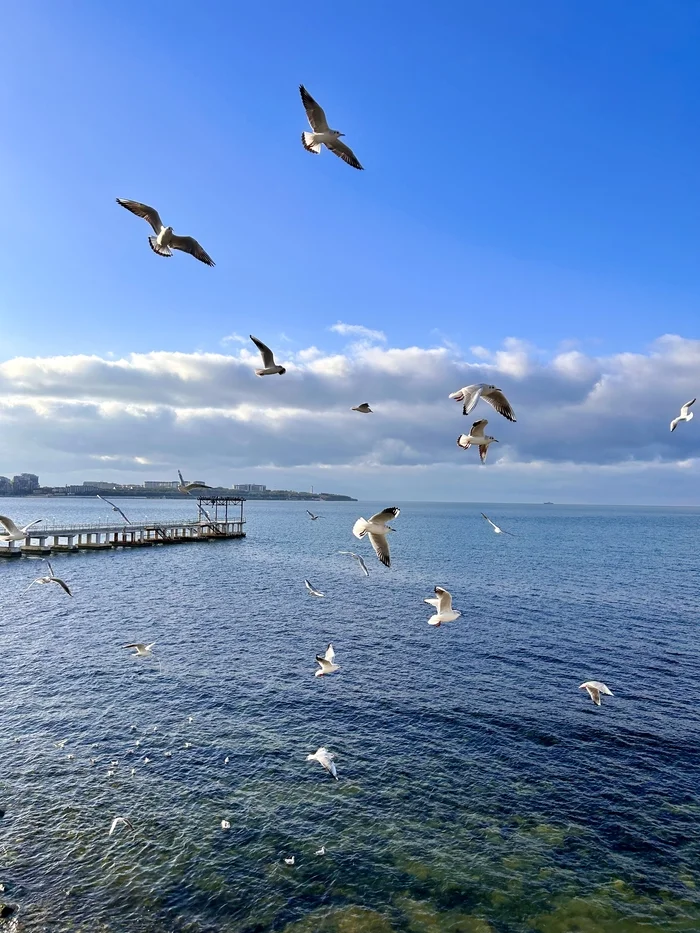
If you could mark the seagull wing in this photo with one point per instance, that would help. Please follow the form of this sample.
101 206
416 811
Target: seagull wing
149 214
314 112
497 400
685 409
483 451
188 244
344 152
363 565
445 598
489 520
330 654
470 396
48 564
9 524
433 601
139 645
477 429
325 664
266 353
381 548
311 514
181 479
35 522
62 584
599 685
381 518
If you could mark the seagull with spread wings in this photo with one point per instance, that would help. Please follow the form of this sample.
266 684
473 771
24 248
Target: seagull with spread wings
115 508
363 408
322 134
188 487
120 821
477 437
13 532
377 529
165 241
327 662
268 358
324 758
51 578
470 395
312 591
594 688
685 415
359 560
442 601
313 517
499 531
142 650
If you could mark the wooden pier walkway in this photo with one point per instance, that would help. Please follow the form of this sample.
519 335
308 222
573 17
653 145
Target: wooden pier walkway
49 539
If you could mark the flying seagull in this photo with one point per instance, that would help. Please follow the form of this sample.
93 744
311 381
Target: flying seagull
314 517
51 578
311 590
327 665
442 601
685 415
322 134
13 532
115 508
188 487
120 820
470 395
325 758
268 358
476 436
359 560
165 241
377 529
594 688
142 651
499 531
364 408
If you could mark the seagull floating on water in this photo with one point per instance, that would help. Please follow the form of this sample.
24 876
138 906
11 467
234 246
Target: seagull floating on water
327 663
268 358
142 651
377 530
311 590
499 531
322 134
165 241
120 821
321 851
470 395
188 487
477 437
225 824
594 688
13 532
685 415
359 560
115 508
289 861
364 408
324 758
51 578
314 517
442 601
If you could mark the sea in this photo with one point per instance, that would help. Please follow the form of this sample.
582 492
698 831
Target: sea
480 790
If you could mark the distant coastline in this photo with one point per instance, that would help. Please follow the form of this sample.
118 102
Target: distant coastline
279 495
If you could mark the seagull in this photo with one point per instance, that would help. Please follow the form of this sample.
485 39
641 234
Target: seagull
476 436
594 688
289 861
685 415
167 754
117 821
115 508
322 134
321 851
271 368
52 578
226 760
377 529
470 395
165 240
311 590
314 517
142 651
359 559
327 664
364 408
60 744
325 758
499 531
188 487
225 824
13 532
442 601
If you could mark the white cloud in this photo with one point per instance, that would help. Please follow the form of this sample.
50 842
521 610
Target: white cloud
357 330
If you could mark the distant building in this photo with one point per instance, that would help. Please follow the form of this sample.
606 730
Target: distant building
249 487
25 484
100 485
5 486
160 484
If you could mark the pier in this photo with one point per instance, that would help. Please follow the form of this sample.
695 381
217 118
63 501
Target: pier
213 522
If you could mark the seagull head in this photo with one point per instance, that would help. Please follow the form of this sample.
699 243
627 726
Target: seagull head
337 133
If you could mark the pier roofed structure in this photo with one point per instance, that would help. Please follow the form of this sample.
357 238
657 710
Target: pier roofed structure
218 517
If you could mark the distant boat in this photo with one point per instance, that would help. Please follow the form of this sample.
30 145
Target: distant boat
547 503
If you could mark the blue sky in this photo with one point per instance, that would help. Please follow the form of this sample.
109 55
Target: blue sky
531 173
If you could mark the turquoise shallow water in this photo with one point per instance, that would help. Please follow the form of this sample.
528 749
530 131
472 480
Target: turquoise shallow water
479 789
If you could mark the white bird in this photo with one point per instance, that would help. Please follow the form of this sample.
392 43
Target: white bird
685 415
188 745
289 861
359 560
188 487
324 758
268 358
322 134
364 408
327 663
110 774
321 851
594 688
142 651
443 603
165 240
61 744
314 517
190 719
225 824
377 529
51 578
470 395
167 754
120 820
70 757
13 532
226 760
499 531
115 508
477 437
311 590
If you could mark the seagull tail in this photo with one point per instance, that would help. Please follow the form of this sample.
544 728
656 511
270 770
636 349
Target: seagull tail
307 141
161 250
359 529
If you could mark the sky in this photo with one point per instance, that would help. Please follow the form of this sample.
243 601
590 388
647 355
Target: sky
527 217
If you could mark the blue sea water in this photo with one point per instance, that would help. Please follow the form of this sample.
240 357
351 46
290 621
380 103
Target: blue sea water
480 791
